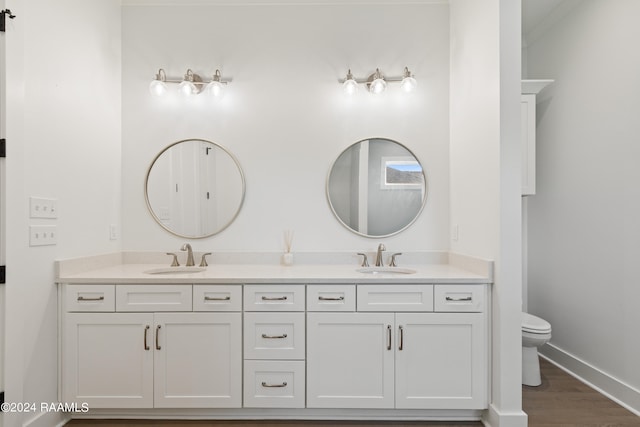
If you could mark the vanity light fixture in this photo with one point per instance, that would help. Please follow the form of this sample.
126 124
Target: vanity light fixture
190 84
377 82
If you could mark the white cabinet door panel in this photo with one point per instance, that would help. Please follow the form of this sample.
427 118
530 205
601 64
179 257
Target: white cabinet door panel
350 360
198 360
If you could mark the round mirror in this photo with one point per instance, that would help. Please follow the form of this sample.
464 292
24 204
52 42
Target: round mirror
376 187
194 188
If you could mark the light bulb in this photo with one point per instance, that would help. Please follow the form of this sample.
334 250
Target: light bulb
157 87
187 88
215 87
350 85
378 85
408 83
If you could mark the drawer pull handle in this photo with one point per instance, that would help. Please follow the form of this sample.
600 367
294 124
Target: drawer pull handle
284 384
331 298
227 298
157 340
274 336
388 337
146 345
100 298
458 299
274 298
401 346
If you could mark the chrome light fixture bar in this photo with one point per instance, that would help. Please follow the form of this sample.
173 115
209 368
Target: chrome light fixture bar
190 84
377 82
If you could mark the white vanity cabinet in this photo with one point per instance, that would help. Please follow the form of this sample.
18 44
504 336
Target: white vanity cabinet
126 359
404 355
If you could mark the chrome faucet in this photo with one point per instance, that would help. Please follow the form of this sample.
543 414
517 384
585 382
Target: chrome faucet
379 262
187 247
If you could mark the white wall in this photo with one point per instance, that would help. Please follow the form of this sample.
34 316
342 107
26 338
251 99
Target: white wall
583 222
485 175
284 116
63 133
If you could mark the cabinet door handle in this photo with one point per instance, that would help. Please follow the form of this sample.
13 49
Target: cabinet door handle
458 299
100 298
284 384
274 298
388 337
274 336
331 298
146 330
227 298
401 338
157 339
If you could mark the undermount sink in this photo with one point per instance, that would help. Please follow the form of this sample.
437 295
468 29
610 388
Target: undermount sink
175 270
385 270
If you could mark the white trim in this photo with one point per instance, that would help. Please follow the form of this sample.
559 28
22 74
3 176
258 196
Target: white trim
278 2
623 394
492 417
48 419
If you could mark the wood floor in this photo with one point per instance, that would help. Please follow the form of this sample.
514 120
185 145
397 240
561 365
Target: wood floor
561 401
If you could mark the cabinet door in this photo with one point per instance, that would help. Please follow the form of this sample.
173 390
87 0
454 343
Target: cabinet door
350 360
198 360
441 361
108 359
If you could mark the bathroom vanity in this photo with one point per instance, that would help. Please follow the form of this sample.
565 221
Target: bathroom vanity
262 340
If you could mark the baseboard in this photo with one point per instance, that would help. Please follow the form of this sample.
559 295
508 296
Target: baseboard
616 390
47 419
492 417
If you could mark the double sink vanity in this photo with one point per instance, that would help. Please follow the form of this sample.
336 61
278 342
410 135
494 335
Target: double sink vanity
247 337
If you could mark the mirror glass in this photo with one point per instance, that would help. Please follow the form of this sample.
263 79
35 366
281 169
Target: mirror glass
376 187
194 188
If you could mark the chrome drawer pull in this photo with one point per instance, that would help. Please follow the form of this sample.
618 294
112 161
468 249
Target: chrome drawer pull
284 384
100 298
146 329
157 340
458 299
388 337
401 346
274 298
274 336
227 298
331 299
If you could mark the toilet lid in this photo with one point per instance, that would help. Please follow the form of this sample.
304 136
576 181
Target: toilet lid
535 325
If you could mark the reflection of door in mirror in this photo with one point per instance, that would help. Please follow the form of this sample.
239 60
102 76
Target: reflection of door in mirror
195 188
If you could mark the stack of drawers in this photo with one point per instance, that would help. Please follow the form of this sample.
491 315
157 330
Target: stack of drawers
274 346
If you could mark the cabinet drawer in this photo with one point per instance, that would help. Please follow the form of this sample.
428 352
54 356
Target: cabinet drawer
274 336
461 298
395 297
90 298
331 298
274 384
217 298
153 298
274 298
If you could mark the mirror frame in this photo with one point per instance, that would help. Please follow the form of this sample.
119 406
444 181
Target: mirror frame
159 221
417 215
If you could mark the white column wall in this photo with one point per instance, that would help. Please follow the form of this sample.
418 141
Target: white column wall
63 142
485 176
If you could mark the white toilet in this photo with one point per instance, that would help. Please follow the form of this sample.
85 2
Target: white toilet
535 333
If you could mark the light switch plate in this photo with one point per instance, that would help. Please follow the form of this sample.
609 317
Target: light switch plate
40 207
43 235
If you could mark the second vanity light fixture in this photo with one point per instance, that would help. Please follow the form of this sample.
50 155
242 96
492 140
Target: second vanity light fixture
191 84
377 83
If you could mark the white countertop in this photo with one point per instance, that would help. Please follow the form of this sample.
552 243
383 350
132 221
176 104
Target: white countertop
125 268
